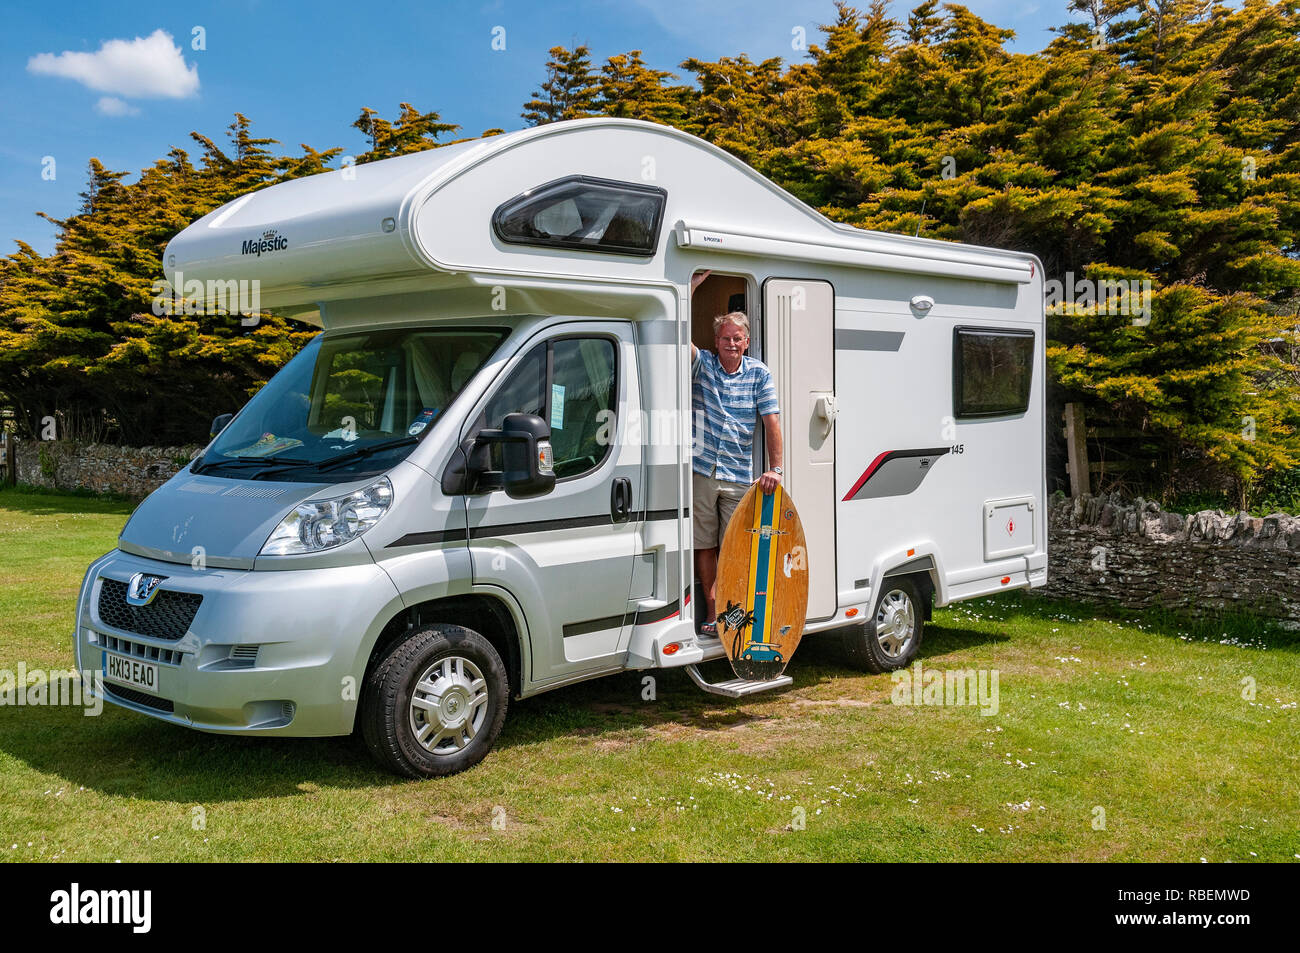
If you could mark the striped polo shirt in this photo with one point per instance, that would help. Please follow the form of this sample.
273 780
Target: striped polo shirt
725 410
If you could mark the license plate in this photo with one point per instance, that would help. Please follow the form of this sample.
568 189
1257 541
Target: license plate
131 672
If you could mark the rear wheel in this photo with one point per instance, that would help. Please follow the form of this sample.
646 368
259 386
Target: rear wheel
435 704
891 636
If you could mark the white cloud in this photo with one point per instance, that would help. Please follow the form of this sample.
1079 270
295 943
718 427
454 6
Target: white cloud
112 106
151 67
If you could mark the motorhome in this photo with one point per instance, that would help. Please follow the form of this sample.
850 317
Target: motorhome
474 485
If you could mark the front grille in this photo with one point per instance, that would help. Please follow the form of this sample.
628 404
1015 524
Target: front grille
139 698
150 653
168 616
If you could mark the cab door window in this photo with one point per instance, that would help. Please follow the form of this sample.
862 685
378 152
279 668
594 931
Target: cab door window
571 383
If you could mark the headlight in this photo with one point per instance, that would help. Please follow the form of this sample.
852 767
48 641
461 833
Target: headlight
322 524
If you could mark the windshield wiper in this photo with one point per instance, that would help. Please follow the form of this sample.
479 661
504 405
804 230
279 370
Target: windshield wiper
277 464
203 467
359 452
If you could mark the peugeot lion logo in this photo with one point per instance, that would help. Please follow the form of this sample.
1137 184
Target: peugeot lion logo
142 588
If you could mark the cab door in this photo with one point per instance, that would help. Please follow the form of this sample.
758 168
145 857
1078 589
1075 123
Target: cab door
567 556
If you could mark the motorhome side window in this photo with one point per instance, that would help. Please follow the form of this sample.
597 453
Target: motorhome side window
571 384
992 372
585 213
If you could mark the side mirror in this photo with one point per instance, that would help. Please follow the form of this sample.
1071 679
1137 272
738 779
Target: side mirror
526 455
527 460
219 424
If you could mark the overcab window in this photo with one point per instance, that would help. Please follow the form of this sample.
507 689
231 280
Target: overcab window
582 212
991 371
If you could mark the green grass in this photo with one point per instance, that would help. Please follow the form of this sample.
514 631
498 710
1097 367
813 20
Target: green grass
1143 717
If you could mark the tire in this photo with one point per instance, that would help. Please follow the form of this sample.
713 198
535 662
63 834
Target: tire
891 636
458 713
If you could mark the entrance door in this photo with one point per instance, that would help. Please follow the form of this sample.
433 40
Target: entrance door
799 348
567 556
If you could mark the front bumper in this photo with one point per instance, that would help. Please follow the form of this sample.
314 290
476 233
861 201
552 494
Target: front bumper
266 653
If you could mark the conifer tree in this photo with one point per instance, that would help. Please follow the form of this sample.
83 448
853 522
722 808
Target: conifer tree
569 91
631 90
413 131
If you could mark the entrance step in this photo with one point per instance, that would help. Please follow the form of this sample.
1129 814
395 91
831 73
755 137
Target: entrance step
738 687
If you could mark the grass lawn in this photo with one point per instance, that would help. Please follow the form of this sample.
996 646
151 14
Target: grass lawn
1143 718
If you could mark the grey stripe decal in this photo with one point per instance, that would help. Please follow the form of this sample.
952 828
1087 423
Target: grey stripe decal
849 339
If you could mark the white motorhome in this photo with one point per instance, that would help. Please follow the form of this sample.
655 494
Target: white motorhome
475 483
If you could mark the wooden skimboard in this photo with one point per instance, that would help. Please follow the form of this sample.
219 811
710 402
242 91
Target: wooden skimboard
762 589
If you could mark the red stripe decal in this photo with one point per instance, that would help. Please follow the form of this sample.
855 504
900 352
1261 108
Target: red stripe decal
866 475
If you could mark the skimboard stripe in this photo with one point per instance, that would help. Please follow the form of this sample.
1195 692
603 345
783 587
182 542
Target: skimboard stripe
750 594
764 552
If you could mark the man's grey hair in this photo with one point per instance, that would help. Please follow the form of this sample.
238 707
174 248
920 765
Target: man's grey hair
738 318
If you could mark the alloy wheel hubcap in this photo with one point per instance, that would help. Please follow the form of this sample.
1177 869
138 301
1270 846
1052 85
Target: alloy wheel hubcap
448 705
895 623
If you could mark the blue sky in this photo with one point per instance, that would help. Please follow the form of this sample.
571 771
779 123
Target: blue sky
303 76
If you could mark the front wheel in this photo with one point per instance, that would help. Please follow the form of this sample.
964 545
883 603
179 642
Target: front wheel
891 637
435 703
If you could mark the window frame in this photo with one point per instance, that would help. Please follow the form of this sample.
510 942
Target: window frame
539 190
958 376
480 419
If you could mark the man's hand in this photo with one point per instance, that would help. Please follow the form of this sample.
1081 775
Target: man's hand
775 452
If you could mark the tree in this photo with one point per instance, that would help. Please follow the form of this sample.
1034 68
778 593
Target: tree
629 89
569 90
413 131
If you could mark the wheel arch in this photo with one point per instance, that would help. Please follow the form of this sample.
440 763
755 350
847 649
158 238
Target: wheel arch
484 613
923 577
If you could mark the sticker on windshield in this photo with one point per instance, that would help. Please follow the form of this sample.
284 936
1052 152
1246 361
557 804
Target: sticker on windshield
267 445
557 406
423 420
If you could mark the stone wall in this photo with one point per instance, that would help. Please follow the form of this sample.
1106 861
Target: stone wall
1132 553
99 467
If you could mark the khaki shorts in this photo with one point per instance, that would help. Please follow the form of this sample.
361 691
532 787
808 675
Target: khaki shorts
713 502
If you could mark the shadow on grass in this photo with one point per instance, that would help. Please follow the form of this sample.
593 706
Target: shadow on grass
123 753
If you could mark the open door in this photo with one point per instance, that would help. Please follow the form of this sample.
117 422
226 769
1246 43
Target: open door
799 348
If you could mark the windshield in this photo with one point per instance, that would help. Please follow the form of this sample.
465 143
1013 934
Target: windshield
350 405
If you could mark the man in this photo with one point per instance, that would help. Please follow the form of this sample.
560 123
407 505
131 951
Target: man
730 390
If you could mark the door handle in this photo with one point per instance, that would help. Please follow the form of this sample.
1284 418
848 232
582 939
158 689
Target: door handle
826 411
620 499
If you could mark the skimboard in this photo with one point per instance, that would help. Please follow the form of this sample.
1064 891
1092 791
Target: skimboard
762 588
